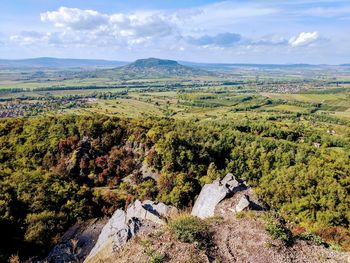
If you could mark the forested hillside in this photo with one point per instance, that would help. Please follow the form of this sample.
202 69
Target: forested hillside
58 170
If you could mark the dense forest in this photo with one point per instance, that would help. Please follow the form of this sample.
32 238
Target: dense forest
56 171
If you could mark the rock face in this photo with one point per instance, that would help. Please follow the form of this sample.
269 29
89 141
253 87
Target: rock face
124 225
212 194
77 242
118 229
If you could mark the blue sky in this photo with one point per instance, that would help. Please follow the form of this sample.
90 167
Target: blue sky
249 31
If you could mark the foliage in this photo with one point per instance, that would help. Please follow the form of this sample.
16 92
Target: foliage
190 229
277 229
212 175
58 170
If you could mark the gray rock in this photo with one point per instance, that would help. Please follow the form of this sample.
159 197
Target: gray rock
230 182
212 194
116 230
243 204
124 225
138 210
160 209
77 242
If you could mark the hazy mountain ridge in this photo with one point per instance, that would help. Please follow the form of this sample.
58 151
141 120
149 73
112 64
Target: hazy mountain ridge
52 62
48 62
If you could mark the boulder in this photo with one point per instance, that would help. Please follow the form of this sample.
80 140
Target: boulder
212 194
124 225
243 204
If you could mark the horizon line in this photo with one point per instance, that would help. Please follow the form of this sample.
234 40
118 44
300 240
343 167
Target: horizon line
180 60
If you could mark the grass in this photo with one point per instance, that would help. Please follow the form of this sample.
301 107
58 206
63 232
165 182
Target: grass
287 108
125 107
190 229
247 214
312 98
153 255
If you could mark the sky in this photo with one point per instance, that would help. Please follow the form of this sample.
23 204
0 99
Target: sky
234 31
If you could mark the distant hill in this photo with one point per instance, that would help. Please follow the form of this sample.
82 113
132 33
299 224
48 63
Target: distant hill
157 68
46 62
154 62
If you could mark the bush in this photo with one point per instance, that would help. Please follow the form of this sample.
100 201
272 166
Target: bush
190 229
277 229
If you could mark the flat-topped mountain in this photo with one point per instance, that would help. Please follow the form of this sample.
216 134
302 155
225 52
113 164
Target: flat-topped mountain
157 68
154 62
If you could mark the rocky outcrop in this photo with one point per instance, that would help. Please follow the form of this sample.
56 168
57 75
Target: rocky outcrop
212 194
136 147
124 225
77 242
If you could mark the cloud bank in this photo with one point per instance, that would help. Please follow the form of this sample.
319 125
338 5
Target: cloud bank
140 28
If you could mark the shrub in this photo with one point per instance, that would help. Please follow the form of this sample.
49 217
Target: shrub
190 229
277 229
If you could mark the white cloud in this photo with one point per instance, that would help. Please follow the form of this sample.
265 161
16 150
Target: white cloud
135 28
30 37
140 25
75 18
206 26
230 30
57 39
304 38
144 27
